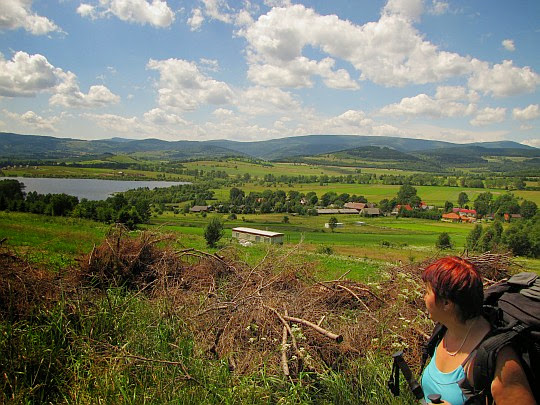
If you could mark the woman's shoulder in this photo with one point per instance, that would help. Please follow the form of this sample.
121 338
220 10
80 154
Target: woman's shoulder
510 385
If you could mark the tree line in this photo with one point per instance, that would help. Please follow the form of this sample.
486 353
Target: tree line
118 208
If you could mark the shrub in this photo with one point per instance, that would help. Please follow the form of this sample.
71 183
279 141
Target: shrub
213 231
443 241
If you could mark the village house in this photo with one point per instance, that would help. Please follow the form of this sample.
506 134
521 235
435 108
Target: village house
398 208
199 208
466 215
370 212
510 217
451 217
257 235
354 205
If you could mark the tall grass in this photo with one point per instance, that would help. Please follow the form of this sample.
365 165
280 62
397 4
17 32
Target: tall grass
123 348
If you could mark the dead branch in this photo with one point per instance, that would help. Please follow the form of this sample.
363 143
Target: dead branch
324 332
355 296
284 364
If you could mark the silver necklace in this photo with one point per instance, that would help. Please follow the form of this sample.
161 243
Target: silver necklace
462 343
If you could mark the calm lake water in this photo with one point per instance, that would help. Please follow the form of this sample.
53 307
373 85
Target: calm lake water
92 189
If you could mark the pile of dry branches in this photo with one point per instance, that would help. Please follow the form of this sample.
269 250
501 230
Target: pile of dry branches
24 287
275 313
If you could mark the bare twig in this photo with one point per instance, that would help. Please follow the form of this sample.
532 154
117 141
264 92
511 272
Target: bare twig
284 364
355 296
324 332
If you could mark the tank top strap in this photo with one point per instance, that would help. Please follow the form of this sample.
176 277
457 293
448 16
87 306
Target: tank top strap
471 354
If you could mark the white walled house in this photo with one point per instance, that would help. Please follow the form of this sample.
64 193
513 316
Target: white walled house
257 235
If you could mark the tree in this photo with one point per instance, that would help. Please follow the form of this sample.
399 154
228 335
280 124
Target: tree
405 194
528 209
483 203
213 231
517 240
443 241
473 237
448 206
236 196
332 223
462 199
11 189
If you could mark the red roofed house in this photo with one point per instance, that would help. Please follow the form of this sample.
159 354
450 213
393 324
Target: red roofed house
451 217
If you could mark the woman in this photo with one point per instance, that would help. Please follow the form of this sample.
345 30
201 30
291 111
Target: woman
454 296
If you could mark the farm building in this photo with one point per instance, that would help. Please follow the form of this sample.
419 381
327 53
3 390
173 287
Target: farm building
354 205
256 235
330 211
199 208
338 225
370 212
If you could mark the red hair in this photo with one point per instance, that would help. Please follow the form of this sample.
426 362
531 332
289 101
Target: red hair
457 280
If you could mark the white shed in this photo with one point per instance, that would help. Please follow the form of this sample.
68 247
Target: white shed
256 235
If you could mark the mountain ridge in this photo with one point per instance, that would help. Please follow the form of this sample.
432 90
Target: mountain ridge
14 145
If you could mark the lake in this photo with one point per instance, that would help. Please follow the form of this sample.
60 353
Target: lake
91 189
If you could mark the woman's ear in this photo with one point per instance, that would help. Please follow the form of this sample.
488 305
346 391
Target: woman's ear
448 305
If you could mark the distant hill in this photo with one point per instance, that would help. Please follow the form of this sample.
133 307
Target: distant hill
15 146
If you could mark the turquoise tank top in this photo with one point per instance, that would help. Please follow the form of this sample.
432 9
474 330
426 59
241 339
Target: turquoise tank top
452 386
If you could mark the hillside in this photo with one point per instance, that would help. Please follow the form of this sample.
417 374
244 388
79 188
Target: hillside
15 146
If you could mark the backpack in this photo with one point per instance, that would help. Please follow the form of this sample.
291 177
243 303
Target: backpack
512 307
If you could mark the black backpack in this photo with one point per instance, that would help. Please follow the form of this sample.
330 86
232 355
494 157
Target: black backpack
513 309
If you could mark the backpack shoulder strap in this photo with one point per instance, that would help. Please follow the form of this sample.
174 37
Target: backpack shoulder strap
429 347
485 361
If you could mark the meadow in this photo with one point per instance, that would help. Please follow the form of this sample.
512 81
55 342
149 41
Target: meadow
117 346
127 347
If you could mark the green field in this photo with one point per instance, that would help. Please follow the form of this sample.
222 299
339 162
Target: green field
433 195
94 173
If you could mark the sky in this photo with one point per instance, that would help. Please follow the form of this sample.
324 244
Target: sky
248 70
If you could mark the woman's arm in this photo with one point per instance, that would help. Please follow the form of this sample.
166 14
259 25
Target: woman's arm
510 385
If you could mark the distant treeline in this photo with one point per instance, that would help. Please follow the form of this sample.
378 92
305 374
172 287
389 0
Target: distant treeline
114 209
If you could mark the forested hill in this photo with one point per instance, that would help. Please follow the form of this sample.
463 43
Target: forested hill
39 147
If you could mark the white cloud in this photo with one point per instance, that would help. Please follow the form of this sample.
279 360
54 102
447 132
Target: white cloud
32 120
528 113
196 19
409 9
210 64
509 45
489 116
277 3
535 142
27 75
156 13
159 117
218 10
456 93
87 10
297 73
439 7
16 14
69 95
422 104
503 79
390 52
182 86
267 101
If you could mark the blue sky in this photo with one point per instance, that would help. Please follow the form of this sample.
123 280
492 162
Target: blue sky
459 71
